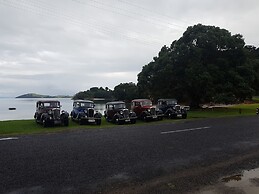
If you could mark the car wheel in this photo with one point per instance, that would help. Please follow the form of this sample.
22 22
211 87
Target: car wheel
133 121
37 118
121 122
45 123
143 117
170 115
37 121
115 120
98 121
66 122
173 116
80 121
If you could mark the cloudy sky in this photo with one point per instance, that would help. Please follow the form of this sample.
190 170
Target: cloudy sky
65 46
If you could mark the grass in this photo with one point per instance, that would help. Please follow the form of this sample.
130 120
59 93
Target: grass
21 127
236 110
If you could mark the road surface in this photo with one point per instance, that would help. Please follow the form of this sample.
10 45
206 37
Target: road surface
128 158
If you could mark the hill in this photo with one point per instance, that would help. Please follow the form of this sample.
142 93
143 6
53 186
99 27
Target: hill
33 95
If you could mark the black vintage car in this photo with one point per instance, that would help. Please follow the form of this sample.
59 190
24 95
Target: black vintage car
171 109
83 112
48 113
117 112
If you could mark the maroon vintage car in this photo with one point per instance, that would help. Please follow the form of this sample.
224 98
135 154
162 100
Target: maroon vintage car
145 110
48 113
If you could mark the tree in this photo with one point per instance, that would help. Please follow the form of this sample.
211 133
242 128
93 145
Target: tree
252 54
126 91
206 64
94 92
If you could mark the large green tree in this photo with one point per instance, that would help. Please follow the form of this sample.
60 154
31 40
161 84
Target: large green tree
206 64
126 91
94 92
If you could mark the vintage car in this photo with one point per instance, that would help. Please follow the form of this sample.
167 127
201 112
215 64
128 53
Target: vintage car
145 110
83 112
171 109
48 113
117 112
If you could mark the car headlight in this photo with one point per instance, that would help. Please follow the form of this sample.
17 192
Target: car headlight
49 112
149 110
121 112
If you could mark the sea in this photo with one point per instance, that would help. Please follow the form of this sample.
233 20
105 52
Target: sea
24 108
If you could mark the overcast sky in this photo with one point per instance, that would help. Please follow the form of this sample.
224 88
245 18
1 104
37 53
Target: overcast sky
66 46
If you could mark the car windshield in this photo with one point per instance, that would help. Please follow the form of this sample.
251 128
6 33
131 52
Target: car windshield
146 103
171 101
51 104
119 106
86 104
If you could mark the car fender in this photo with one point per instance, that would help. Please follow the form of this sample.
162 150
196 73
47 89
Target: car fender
80 115
159 112
64 115
97 115
118 115
36 115
45 116
146 113
169 110
184 111
132 114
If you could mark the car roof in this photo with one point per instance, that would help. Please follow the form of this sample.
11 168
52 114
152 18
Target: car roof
140 100
166 99
43 101
116 102
83 101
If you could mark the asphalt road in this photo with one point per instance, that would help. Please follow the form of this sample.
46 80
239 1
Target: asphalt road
88 161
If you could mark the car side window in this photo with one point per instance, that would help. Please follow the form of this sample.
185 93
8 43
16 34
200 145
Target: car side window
110 107
137 103
41 105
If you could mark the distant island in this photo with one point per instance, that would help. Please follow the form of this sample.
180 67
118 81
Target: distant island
33 95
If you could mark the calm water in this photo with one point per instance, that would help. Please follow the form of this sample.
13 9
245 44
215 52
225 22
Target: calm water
25 107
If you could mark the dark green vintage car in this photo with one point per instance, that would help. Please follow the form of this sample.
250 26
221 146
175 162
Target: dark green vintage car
171 109
117 112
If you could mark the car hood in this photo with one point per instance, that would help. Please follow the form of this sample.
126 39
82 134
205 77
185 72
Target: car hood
148 107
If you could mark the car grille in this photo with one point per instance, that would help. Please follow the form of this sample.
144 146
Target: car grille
153 111
126 113
56 113
90 112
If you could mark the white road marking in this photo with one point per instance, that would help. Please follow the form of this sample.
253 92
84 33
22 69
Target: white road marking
8 138
184 130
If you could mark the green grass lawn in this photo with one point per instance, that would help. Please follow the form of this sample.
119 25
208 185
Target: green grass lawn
20 127
236 110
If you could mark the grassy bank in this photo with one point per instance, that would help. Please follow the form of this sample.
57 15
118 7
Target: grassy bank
236 110
20 127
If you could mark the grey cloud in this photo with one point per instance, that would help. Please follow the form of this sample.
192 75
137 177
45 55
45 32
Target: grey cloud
65 46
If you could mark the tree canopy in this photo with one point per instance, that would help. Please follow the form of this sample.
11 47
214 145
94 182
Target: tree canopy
207 64
126 91
123 91
94 92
